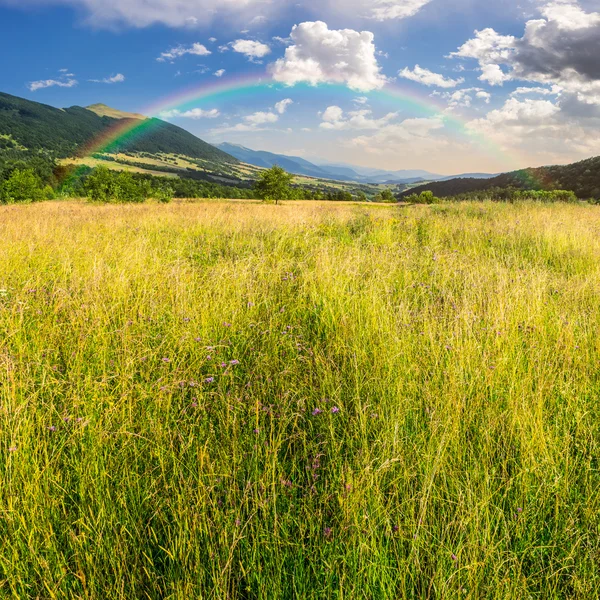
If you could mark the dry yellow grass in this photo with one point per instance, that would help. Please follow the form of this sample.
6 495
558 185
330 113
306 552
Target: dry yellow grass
315 400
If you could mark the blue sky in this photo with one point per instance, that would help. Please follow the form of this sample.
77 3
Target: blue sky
399 84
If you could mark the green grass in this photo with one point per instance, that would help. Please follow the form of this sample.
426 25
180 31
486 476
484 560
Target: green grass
460 344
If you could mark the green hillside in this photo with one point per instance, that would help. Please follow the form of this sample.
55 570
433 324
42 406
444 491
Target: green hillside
582 178
65 132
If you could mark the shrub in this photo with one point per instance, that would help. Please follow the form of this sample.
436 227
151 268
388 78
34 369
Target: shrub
426 197
164 194
22 185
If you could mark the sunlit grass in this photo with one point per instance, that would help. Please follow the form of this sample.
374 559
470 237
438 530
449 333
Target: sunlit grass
229 400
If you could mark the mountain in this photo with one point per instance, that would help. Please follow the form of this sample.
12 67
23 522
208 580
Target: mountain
67 132
340 172
292 164
582 177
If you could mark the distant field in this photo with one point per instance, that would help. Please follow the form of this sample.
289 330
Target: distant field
316 400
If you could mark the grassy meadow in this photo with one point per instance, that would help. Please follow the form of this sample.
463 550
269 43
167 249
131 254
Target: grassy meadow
231 400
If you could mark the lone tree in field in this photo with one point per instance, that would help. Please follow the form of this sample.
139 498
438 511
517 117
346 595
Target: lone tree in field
274 184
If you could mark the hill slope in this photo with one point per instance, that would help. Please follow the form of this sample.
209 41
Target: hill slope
65 132
106 111
582 177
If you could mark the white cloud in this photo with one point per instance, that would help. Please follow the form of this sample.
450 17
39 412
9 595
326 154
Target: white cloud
464 98
118 78
322 55
541 131
261 118
250 48
378 10
282 106
485 96
493 75
179 51
192 13
194 113
429 78
34 86
219 73
410 138
396 9
334 118
540 91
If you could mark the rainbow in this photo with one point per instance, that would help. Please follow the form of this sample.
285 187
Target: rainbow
220 92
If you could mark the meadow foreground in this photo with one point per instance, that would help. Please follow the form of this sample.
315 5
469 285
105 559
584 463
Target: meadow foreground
229 400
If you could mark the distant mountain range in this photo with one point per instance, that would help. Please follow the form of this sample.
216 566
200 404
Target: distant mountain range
339 172
582 177
66 132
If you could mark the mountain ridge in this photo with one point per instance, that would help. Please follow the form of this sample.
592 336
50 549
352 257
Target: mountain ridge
67 132
582 178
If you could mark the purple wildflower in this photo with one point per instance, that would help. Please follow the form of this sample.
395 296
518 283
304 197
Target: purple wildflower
166 360
209 380
327 532
234 362
12 449
316 412
52 428
335 410
223 364
454 557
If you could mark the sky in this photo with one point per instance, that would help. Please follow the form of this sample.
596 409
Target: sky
450 87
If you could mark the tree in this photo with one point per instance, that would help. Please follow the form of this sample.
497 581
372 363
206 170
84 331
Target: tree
385 195
274 184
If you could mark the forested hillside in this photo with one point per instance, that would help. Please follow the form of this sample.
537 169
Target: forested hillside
583 178
66 132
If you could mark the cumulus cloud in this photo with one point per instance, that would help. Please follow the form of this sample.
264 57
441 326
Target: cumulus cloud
334 118
322 55
179 51
283 105
464 98
560 48
194 113
429 78
118 78
219 73
543 131
261 118
34 86
250 48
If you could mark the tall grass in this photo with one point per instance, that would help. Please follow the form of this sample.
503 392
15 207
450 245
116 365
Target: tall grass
229 400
